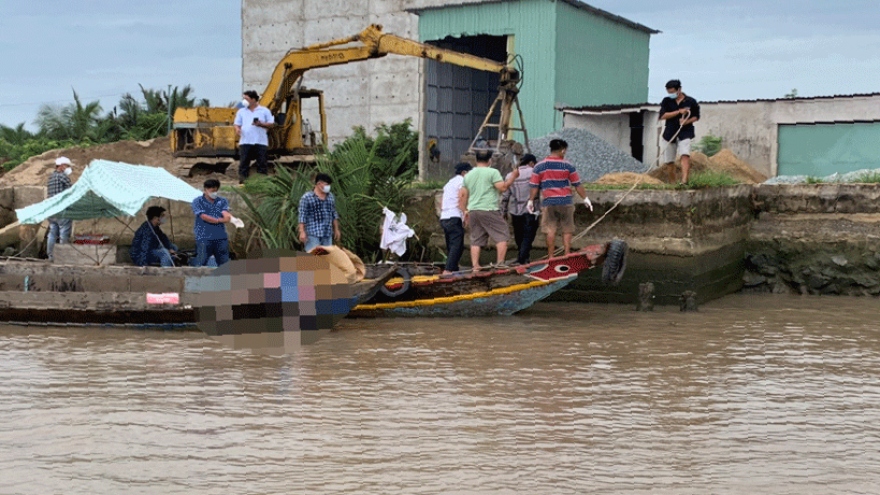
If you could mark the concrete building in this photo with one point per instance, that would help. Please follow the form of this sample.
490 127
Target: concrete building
814 136
572 55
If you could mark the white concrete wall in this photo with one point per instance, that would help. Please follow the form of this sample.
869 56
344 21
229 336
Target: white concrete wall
750 129
367 93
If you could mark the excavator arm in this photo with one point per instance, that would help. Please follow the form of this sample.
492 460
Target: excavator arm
373 44
201 133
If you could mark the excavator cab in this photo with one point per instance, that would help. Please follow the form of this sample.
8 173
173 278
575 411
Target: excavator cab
205 137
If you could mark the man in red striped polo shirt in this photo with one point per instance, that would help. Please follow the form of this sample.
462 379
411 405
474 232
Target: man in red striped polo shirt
553 178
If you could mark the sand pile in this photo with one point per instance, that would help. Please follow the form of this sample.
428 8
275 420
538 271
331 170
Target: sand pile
36 170
627 178
724 161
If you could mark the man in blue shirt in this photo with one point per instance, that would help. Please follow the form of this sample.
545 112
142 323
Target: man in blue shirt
318 219
150 245
211 212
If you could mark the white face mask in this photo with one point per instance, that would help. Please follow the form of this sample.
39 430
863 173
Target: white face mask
68 171
326 189
212 195
245 103
674 96
162 220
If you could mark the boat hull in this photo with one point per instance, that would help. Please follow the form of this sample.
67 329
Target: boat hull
492 303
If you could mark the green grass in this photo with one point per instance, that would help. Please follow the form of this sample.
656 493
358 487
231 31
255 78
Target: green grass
868 178
710 178
814 180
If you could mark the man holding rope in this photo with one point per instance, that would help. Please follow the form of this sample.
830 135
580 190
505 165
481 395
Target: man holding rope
680 111
554 177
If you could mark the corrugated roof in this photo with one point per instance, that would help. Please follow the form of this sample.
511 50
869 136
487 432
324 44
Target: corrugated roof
575 3
632 107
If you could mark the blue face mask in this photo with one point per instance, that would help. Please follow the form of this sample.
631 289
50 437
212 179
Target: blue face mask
674 96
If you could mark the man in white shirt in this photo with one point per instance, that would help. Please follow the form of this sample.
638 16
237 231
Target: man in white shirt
450 218
252 124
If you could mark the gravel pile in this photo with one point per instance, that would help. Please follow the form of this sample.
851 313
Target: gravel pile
591 156
835 177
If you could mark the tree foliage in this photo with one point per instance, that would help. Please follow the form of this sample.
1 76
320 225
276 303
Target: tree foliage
83 123
366 174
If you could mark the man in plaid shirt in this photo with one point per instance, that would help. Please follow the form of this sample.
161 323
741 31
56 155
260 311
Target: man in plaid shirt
318 219
59 182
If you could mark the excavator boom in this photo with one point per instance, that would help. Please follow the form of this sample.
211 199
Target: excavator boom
206 132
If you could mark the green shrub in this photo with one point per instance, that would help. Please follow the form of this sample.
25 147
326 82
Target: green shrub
708 145
814 180
363 182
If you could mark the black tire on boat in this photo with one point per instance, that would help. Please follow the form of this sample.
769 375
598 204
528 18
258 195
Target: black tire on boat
407 278
615 262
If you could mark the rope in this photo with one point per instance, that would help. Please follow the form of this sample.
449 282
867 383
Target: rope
631 189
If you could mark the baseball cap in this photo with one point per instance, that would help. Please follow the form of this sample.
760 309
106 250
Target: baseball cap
62 160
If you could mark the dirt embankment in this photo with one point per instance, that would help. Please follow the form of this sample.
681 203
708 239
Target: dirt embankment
36 170
155 152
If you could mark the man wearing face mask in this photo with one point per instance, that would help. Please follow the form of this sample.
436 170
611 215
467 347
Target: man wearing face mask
318 219
59 228
252 124
680 111
150 245
212 213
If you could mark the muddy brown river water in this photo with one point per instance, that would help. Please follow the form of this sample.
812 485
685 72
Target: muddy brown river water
753 394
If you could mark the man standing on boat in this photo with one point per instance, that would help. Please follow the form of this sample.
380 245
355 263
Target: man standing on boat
212 213
59 228
553 178
151 245
450 218
478 201
514 202
318 219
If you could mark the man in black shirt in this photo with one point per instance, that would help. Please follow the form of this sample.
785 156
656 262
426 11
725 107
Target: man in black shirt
680 111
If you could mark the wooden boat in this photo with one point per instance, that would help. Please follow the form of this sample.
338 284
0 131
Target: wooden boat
502 291
37 292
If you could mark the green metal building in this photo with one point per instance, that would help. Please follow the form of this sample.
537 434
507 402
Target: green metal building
573 55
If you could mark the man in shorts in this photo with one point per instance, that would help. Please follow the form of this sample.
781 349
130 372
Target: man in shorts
479 202
680 111
553 178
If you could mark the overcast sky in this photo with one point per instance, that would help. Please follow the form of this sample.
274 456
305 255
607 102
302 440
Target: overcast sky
719 49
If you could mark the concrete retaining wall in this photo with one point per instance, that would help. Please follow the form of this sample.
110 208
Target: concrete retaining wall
816 239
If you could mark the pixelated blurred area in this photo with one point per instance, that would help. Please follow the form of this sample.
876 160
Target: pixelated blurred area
274 304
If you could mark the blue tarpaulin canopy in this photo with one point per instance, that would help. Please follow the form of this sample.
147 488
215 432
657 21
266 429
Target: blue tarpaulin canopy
109 189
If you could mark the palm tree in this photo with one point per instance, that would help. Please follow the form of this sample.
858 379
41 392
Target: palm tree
17 135
77 121
363 182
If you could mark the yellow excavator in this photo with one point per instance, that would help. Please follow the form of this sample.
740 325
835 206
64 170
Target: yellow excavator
207 136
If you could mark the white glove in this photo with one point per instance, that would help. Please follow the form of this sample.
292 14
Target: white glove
588 204
530 207
237 222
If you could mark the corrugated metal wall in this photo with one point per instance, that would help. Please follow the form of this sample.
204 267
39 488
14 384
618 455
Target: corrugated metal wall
598 61
457 100
823 149
533 23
